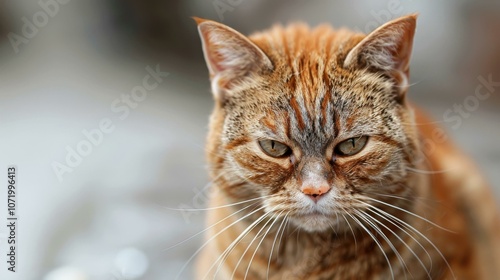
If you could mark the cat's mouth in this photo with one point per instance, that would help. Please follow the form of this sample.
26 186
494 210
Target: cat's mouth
312 214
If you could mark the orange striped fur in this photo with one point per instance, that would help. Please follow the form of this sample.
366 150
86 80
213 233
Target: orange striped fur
391 210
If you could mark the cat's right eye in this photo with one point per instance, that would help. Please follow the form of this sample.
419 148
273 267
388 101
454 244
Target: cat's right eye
351 146
274 148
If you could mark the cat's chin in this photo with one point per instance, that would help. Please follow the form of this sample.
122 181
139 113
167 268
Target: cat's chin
314 222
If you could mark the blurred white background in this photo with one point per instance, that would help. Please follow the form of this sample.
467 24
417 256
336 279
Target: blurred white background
108 217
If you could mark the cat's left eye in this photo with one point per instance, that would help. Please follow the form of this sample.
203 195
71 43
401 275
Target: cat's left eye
351 146
274 148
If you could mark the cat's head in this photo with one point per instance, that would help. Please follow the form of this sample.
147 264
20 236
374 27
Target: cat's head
311 121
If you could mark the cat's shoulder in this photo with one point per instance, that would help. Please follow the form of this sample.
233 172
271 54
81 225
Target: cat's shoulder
461 189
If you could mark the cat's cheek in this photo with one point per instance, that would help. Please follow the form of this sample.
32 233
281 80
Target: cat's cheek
260 171
377 164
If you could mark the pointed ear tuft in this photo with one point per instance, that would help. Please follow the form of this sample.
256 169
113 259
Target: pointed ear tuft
387 49
198 20
230 56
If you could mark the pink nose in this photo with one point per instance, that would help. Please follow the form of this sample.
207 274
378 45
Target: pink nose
315 193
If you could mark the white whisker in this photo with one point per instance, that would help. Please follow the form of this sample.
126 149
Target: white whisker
185 240
258 245
217 207
249 245
367 218
406 245
396 219
215 236
353 235
376 241
274 243
281 238
429 171
222 258
410 213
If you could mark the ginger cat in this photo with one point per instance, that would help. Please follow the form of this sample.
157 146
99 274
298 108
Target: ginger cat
318 166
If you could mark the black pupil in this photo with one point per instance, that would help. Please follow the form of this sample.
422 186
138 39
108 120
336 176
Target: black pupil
272 145
353 142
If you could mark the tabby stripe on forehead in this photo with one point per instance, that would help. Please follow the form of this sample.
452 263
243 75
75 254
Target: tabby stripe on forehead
287 124
270 122
298 115
292 84
308 80
349 122
306 105
324 106
336 123
318 117
305 87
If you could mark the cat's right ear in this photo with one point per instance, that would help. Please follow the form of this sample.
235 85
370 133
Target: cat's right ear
230 56
387 49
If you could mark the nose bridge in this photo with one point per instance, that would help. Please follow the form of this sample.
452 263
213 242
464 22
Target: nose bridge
315 172
315 175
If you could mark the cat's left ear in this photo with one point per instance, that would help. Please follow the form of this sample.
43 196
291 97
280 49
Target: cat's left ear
230 56
387 49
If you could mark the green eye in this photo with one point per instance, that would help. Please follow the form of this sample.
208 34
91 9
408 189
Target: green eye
274 148
351 146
